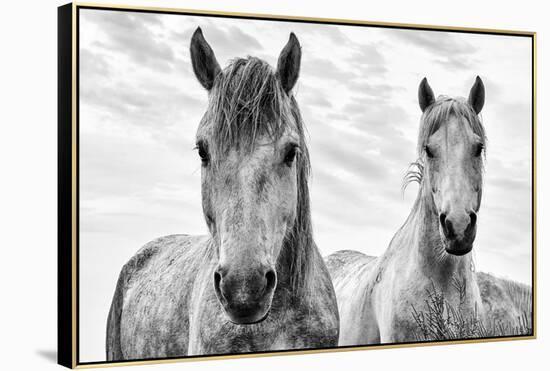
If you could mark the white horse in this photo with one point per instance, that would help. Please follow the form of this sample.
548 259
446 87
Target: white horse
379 297
256 282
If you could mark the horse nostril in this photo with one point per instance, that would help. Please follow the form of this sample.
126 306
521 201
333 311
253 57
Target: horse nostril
217 279
447 226
473 219
450 230
217 283
442 218
271 280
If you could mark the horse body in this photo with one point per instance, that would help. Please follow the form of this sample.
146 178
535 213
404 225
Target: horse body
376 296
256 282
169 308
505 302
412 267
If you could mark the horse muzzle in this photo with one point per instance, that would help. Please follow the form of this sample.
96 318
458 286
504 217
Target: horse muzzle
458 232
245 296
458 248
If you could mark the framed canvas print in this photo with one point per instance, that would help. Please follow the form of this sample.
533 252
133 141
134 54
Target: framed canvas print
241 184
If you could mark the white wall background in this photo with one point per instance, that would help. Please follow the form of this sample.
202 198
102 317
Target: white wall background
28 155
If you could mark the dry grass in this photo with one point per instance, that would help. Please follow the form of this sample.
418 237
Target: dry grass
442 321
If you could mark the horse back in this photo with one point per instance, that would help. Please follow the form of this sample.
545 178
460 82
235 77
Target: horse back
150 284
504 301
343 262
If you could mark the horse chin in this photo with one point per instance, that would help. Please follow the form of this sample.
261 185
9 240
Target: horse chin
458 248
244 318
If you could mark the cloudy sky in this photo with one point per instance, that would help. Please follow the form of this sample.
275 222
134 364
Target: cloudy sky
140 106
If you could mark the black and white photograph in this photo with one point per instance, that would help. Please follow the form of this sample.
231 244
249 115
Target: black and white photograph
259 185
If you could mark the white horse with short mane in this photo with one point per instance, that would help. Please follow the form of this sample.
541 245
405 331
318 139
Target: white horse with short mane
381 300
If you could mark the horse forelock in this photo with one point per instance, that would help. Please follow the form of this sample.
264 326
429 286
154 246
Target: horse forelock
246 103
436 115
440 112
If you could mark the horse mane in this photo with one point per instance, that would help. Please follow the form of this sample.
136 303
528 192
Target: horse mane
247 102
433 117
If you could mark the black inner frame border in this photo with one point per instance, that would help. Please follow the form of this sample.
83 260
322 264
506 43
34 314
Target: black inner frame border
308 21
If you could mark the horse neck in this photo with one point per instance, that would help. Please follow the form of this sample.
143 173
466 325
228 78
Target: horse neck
427 250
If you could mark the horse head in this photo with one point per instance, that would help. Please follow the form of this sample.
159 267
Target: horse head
254 165
451 147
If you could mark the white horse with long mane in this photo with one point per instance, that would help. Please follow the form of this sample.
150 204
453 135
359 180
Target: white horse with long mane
379 298
256 282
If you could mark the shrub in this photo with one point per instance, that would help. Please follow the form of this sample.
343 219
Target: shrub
441 321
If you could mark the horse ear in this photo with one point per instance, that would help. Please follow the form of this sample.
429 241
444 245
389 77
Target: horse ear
204 61
288 66
425 95
477 95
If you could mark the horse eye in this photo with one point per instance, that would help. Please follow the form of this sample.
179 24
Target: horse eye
428 151
478 149
203 152
291 155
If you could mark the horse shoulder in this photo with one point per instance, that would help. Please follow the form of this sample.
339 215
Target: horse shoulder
135 274
113 345
397 286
